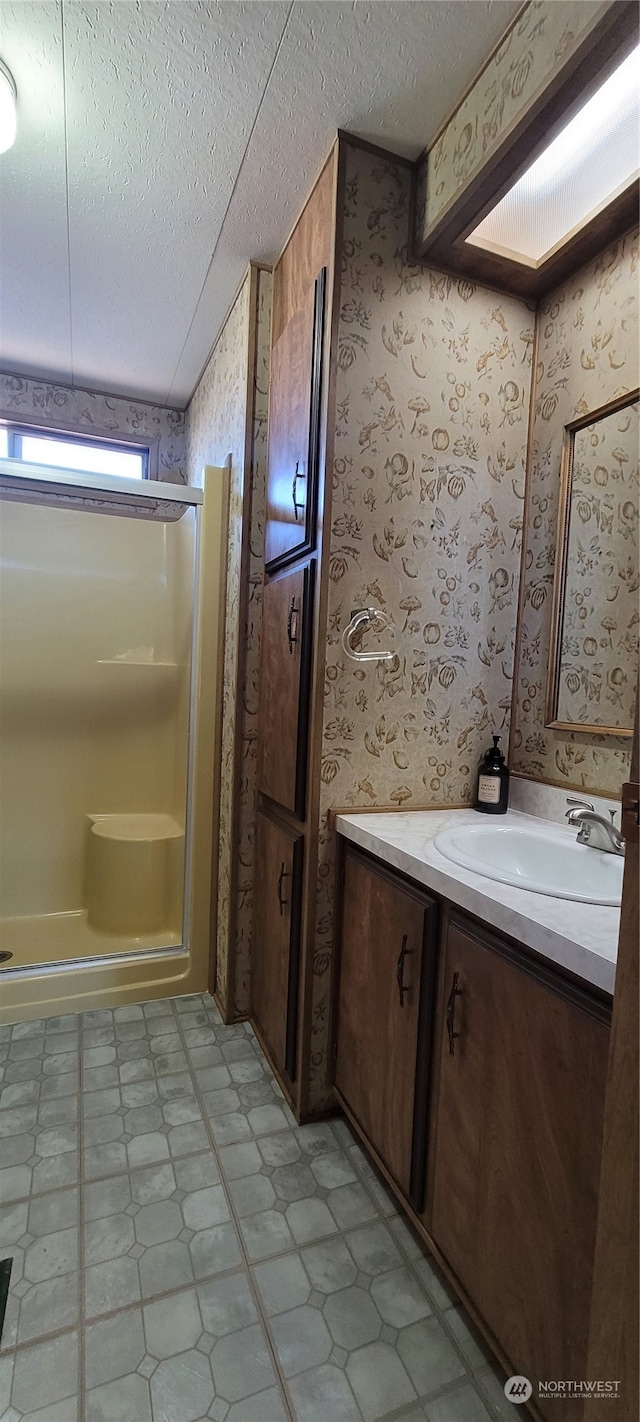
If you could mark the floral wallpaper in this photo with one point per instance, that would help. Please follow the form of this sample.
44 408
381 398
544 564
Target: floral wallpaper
542 36
599 661
432 400
216 427
587 354
62 407
247 789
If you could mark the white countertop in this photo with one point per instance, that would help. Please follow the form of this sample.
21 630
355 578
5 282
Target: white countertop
580 937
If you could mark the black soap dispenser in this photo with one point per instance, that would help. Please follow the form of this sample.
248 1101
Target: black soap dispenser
492 794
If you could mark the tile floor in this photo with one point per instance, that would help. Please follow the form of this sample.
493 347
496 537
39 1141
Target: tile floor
183 1251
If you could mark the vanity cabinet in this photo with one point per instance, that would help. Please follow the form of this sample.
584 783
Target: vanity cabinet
383 1036
517 1113
284 687
274 978
482 1099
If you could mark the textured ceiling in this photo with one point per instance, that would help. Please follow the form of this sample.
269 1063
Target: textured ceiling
162 145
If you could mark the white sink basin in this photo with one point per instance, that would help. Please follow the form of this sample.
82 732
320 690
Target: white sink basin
546 861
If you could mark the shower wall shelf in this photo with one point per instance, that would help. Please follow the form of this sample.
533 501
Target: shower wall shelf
139 677
90 681
129 662
136 826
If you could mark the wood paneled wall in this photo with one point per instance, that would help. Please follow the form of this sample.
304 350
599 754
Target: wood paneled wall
307 251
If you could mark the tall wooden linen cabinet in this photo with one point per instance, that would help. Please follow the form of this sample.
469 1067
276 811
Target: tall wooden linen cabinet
290 667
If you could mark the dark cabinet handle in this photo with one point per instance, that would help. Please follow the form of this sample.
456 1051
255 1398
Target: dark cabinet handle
404 953
293 612
451 1013
294 490
284 874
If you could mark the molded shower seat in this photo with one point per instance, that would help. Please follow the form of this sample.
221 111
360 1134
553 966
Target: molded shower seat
134 873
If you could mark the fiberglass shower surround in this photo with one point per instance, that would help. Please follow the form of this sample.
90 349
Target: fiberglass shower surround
97 580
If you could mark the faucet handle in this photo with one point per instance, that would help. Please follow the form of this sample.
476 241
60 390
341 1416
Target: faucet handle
577 804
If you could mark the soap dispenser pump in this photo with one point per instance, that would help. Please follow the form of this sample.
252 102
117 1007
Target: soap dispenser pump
492 794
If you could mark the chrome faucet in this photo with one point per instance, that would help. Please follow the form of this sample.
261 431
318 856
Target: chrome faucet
593 829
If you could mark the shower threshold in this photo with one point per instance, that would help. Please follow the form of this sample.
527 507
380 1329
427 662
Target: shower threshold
48 940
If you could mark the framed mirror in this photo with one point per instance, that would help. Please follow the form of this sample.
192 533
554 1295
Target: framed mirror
593 666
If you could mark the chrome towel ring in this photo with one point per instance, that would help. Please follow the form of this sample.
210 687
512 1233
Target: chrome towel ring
364 618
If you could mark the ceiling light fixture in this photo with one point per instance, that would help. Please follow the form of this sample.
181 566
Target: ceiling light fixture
590 161
7 108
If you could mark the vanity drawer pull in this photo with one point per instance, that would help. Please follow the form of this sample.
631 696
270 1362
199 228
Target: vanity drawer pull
404 953
451 1013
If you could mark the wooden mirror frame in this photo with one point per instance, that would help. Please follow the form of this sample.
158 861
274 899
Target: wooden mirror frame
560 574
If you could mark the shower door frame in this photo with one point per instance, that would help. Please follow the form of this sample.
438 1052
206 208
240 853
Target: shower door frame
151 500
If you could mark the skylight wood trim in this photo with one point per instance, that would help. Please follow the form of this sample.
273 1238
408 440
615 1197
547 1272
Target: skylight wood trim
526 278
601 50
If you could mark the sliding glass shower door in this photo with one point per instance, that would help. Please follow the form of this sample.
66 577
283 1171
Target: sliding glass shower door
96 613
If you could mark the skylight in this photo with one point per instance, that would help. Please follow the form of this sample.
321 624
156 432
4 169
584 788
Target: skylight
92 457
593 159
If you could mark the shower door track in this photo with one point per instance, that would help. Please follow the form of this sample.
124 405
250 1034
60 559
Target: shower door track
105 960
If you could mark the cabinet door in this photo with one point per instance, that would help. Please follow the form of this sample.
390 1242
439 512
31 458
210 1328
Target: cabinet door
294 416
386 985
517 1152
275 957
284 688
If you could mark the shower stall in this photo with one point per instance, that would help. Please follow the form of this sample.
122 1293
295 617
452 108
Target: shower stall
100 628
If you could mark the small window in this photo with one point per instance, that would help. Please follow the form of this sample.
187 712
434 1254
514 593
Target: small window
92 456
